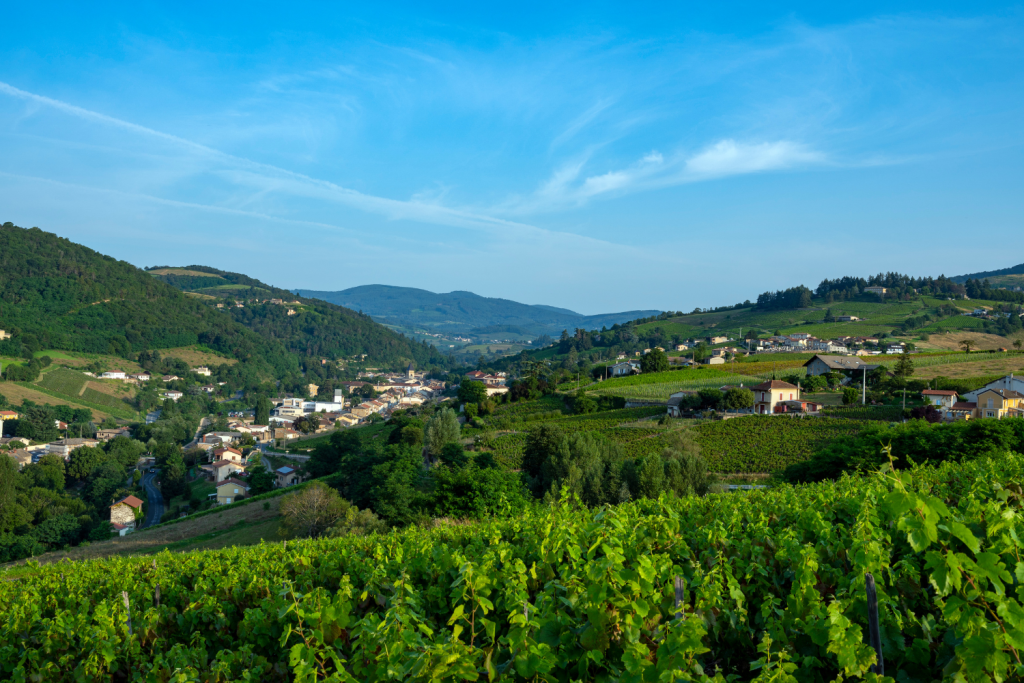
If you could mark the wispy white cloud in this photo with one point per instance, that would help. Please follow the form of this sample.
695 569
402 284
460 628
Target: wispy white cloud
565 188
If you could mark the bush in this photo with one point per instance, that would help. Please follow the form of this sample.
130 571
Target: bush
850 396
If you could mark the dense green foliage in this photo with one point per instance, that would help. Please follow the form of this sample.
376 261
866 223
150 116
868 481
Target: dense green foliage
772 586
38 514
913 442
383 470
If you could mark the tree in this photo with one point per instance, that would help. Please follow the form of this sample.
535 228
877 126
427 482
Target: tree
967 345
472 392
48 473
452 455
903 369
738 398
262 412
655 361
441 429
83 461
58 531
700 352
850 396
173 475
312 511
38 424
710 398
1017 343
261 480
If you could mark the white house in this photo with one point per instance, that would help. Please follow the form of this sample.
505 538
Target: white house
114 374
173 395
202 370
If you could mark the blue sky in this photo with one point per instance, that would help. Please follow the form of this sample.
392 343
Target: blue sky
596 157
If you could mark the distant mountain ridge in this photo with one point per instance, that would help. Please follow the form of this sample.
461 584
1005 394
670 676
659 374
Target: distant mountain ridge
989 274
462 311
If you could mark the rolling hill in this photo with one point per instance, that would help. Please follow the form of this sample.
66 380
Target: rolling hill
464 313
313 328
56 294
1004 277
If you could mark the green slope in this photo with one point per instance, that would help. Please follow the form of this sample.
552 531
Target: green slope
318 328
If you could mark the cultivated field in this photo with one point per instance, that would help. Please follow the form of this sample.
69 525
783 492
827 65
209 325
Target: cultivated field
1002 365
194 356
16 393
180 271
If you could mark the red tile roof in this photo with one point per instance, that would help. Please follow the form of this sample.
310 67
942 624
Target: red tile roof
235 482
773 384
222 463
131 501
965 405
939 392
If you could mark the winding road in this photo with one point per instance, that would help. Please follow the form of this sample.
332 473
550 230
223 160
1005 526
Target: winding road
156 499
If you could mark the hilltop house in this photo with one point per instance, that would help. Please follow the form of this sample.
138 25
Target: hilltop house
114 374
999 403
231 490
942 399
231 454
286 476
173 395
64 447
122 514
202 370
223 469
1009 382
108 434
8 415
880 291
769 395
821 365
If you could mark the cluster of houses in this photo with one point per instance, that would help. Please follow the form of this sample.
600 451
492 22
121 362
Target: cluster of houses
394 391
801 342
495 384
996 400
772 397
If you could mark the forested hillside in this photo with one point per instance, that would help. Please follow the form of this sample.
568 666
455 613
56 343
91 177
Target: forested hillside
55 294
317 328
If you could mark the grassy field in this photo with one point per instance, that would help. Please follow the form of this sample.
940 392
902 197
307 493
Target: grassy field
1002 365
983 342
194 356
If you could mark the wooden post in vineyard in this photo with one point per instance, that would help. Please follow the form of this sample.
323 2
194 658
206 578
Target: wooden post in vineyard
874 633
679 596
127 609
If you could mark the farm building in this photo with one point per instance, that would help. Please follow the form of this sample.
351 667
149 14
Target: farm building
122 514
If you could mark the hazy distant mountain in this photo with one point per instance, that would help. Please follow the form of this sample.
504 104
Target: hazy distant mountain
464 311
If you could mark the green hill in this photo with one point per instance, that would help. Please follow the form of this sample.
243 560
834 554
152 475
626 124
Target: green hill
56 294
316 328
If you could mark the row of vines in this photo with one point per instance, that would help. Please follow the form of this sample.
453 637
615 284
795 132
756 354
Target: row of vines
761 586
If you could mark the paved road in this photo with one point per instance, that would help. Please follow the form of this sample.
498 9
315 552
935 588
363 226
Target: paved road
156 500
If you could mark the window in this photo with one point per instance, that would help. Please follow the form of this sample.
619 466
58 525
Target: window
990 405
227 501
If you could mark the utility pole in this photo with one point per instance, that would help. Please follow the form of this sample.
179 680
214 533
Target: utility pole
864 387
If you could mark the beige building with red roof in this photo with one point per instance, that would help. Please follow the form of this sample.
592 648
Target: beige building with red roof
768 395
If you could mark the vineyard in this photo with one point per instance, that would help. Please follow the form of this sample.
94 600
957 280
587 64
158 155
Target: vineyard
765 443
63 381
759 585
